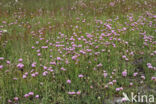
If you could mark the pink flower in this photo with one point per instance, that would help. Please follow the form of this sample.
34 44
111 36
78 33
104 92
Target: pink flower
68 81
153 78
143 77
20 65
53 63
45 73
114 81
37 96
20 60
124 73
117 89
31 93
9 101
1 66
58 58
63 69
110 83
26 95
16 98
1 58
121 88
71 93
131 84
78 92
33 64
33 75
80 76
74 57
135 74
112 4
105 75
99 65
44 47
24 76
8 62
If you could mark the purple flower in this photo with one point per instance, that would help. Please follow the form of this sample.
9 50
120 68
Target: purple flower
68 81
1 66
45 73
117 89
110 83
153 78
20 60
131 84
71 93
31 93
124 73
63 69
58 58
135 74
143 77
44 47
33 64
8 62
24 76
80 76
20 65
16 98
37 96
1 58
26 95
78 92
105 75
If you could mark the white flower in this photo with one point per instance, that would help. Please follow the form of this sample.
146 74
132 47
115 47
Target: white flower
4 31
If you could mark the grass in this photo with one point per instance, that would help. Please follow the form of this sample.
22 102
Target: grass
88 42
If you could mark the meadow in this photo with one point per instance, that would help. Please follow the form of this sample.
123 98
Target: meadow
77 51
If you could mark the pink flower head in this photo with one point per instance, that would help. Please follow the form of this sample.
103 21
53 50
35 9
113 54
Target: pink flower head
45 73
80 76
143 77
16 98
9 101
68 81
20 60
8 62
33 75
105 75
99 65
121 88
63 69
20 65
131 84
1 58
58 58
112 4
110 83
24 76
1 66
135 74
78 92
124 73
33 64
26 95
117 89
114 81
31 93
37 96
153 78
71 93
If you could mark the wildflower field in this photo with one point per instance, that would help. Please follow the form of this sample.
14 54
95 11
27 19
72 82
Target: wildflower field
77 51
